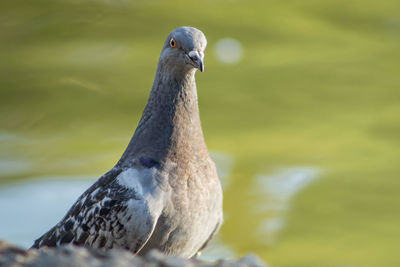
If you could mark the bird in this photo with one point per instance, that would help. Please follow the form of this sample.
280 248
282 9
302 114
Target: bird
164 193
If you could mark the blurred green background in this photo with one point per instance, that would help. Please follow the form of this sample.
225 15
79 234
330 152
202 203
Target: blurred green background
317 88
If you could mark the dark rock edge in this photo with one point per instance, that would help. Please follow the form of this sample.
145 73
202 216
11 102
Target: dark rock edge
71 256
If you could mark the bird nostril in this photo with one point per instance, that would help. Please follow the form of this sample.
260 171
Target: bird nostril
193 55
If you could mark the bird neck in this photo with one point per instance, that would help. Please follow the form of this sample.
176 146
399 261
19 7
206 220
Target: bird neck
170 127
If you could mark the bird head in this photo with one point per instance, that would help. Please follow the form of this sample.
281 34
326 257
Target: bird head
183 50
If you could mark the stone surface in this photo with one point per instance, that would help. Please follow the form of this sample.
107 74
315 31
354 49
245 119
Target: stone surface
73 256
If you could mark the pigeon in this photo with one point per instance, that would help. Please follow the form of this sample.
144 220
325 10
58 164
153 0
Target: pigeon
164 193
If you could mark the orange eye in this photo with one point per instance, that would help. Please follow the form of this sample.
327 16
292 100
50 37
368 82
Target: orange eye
172 43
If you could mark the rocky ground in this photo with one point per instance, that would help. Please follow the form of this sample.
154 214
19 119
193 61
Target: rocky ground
71 256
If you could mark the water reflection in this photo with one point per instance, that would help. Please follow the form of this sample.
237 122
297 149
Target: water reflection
13 167
30 208
278 189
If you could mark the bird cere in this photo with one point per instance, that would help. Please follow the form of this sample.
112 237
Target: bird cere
164 192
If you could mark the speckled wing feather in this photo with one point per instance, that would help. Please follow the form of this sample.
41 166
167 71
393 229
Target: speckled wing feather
107 215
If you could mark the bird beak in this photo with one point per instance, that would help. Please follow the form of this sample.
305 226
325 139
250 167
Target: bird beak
198 59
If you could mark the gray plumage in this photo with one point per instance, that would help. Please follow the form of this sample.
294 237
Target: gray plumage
164 192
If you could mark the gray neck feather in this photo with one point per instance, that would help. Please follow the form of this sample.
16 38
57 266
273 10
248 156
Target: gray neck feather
170 125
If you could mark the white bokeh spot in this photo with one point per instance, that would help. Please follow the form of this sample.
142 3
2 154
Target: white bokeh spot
228 50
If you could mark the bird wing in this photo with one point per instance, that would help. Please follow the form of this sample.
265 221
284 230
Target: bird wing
107 215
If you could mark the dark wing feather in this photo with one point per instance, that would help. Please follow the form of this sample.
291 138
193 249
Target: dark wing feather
106 215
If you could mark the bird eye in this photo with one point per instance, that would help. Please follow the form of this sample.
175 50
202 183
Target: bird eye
172 43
